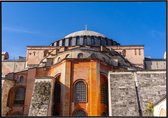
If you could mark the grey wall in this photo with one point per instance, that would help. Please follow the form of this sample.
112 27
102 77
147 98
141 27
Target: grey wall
154 65
151 85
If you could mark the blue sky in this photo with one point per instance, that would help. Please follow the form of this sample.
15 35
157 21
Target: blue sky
41 23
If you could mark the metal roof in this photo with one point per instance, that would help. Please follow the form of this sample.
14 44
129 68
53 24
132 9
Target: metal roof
84 33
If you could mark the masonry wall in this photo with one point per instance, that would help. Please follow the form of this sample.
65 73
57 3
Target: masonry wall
155 65
41 97
151 86
123 101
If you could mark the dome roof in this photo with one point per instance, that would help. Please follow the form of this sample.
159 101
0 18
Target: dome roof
84 33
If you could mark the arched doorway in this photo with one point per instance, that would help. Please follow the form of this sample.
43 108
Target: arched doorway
56 97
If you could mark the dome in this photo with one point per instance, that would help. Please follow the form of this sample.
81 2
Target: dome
84 33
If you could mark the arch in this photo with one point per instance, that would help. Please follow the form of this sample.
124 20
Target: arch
56 96
22 79
16 96
162 112
79 112
80 55
80 91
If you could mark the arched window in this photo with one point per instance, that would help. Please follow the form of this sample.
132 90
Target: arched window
84 40
78 40
79 113
104 94
22 79
80 92
80 55
19 95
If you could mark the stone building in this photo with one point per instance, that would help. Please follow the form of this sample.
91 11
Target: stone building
83 74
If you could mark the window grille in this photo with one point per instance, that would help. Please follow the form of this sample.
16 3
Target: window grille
19 96
80 92
104 94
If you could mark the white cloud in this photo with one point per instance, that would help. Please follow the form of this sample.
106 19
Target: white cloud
18 30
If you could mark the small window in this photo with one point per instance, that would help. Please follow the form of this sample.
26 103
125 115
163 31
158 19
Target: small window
22 79
34 53
80 55
63 42
135 52
124 52
70 41
78 40
92 41
139 51
80 92
84 40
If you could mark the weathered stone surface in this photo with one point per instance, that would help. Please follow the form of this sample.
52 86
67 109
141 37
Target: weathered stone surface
123 95
40 99
152 87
